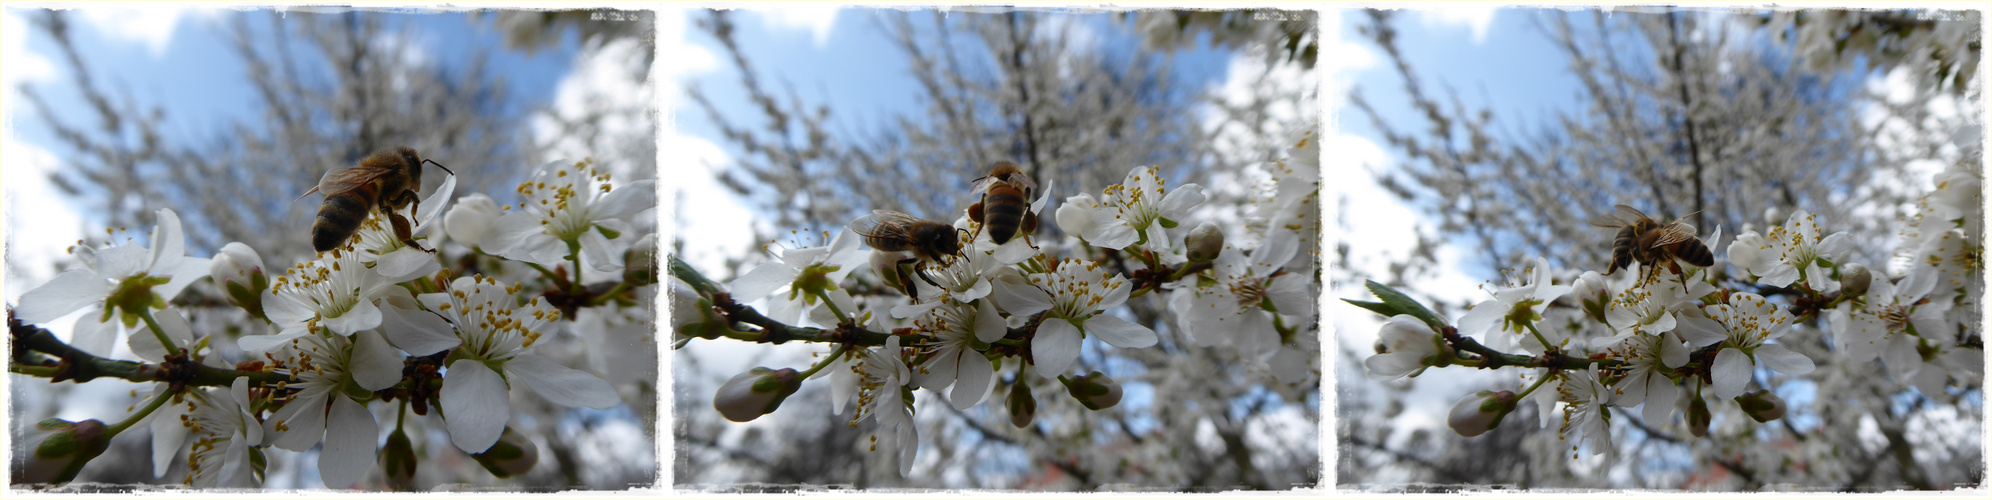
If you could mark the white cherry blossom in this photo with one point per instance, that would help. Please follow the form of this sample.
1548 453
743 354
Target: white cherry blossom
495 358
323 409
1077 295
104 271
1751 321
571 203
1791 252
1129 212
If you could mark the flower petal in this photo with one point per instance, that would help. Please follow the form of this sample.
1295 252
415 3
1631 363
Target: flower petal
405 264
561 385
1109 231
1055 347
623 201
1018 297
476 405
761 281
183 270
436 201
989 326
363 316
973 379
167 240
511 231
62 295
1731 372
259 344
303 421
1119 332
168 434
601 254
1779 358
1660 396
418 332
93 337
146 345
349 444
375 365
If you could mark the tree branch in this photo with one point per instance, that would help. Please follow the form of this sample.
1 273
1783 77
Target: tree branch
83 367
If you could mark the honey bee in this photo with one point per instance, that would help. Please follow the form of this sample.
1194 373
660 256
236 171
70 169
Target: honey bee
930 242
1005 206
1642 239
384 181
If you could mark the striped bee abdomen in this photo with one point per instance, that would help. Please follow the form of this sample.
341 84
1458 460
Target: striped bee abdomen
339 218
1004 211
1694 252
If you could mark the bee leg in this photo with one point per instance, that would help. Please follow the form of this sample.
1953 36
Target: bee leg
401 231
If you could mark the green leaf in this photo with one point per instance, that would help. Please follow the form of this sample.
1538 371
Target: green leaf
1376 307
1167 224
1404 304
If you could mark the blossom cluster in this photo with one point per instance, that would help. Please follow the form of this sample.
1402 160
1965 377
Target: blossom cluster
1679 340
963 322
368 322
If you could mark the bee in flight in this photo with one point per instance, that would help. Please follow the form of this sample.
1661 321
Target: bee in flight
384 181
1005 207
1642 239
930 242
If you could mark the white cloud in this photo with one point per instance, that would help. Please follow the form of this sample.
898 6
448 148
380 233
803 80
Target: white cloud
818 19
40 227
21 65
1475 16
716 226
1380 229
151 25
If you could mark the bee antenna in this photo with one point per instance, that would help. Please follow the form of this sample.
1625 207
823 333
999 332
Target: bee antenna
439 165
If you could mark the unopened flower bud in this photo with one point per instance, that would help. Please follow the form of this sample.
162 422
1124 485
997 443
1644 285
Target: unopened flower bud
758 392
235 261
1095 391
1205 242
1593 294
239 272
1854 280
68 447
512 455
470 221
1480 411
1023 407
641 261
397 462
1762 406
1698 416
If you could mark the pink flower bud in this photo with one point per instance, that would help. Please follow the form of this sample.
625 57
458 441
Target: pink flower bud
1479 412
60 456
758 392
1023 407
1095 390
1762 406
512 455
397 462
1205 242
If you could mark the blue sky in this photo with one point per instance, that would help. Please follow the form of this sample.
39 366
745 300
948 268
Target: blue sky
181 60
842 58
201 83
853 66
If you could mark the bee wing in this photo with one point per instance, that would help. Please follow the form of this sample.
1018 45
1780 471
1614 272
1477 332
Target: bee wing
346 179
1608 220
1629 214
1674 233
984 183
884 224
